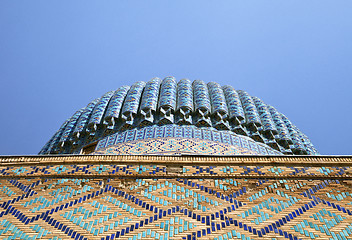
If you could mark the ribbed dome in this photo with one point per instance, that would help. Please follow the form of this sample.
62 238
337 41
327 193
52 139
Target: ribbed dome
182 103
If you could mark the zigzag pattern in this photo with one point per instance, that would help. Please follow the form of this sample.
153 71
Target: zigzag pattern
184 139
175 208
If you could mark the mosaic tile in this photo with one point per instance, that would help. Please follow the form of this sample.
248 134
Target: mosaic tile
174 208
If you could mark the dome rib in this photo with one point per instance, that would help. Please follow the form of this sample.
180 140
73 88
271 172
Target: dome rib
82 121
167 101
98 112
149 102
202 108
219 108
70 127
185 104
131 105
112 112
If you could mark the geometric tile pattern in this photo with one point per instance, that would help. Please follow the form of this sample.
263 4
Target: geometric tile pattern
174 138
173 209
174 146
175 199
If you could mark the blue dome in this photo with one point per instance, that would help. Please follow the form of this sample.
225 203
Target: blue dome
165 104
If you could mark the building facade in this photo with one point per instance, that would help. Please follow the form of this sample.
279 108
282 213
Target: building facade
176 160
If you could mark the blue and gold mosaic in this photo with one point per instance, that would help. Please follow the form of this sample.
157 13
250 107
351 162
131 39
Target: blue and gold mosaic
163 201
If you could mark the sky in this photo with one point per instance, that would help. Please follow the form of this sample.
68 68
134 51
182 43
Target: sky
57 56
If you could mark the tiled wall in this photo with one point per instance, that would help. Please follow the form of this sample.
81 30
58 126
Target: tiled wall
99 201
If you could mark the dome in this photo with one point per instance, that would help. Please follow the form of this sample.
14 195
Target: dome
170 117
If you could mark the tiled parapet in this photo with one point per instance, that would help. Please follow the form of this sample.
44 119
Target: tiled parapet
168 102
186 166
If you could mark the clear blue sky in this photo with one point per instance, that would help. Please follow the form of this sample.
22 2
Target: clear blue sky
57 56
